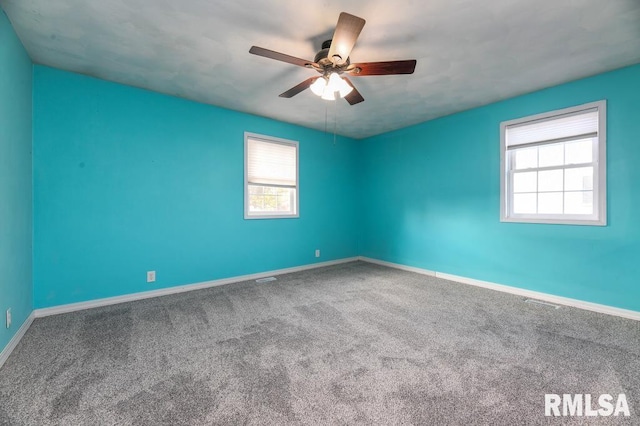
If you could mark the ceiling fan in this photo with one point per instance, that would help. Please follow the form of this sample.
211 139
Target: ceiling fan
333 61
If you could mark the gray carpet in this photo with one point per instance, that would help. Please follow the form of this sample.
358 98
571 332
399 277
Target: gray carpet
348 344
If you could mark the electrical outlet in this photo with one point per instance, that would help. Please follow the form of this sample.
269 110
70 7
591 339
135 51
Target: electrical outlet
8 317
317 252
151 276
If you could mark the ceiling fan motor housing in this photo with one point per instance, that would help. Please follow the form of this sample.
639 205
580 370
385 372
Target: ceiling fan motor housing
324 61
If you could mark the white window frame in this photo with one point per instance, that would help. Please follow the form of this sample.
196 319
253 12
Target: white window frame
274 215
599 217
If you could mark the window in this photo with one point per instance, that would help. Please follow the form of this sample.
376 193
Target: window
270 177
553 167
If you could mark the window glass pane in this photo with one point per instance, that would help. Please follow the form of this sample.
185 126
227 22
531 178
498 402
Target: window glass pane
271 200
284 199
550 203
526 158
580 202
551 155
524 203
550 180
525 182
579 152
578 179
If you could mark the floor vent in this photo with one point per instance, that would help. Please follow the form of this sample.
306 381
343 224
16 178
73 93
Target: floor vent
266 280
541 302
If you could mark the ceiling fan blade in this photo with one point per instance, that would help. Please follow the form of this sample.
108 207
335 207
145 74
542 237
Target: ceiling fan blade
260 51
383 68
299 88
344 38
354 97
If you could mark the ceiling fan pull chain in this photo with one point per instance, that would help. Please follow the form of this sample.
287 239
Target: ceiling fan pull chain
326 118
335 121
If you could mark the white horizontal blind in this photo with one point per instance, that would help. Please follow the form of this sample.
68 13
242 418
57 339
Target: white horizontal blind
271 163
579 124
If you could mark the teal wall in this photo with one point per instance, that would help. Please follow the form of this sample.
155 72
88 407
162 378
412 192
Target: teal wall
15 181
128 180
431 197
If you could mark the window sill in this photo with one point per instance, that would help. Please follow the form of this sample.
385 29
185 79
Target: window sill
584 222
272 216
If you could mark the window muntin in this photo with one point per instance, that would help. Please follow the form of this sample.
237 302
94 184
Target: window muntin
271 177
553 167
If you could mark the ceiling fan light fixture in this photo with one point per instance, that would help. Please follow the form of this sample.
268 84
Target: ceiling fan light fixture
318 86
334 82
327 87
328 94
345 88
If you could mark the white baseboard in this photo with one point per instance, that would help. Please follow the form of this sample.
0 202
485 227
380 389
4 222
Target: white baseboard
580 304
4 355
54 310
398 266
72 307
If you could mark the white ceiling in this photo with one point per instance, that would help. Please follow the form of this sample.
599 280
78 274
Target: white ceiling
469 52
